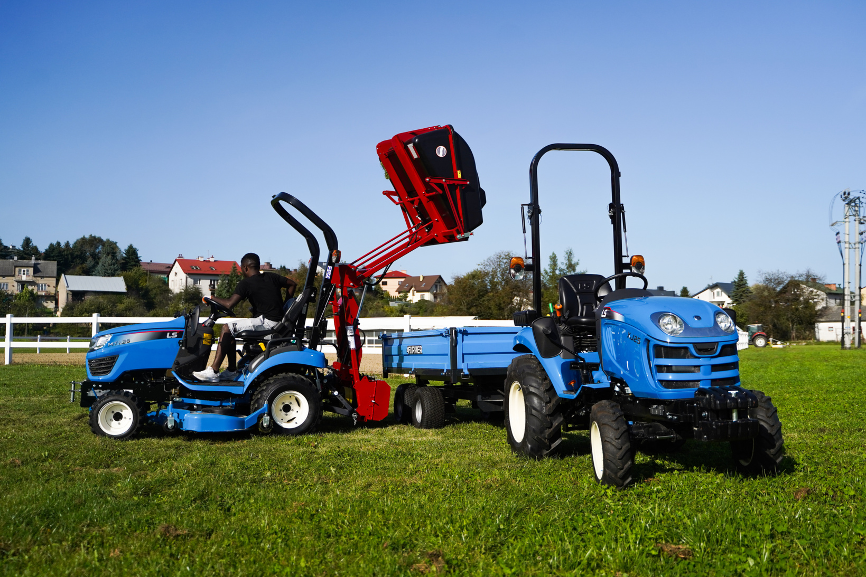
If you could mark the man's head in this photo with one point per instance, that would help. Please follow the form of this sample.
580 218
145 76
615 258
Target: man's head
250 264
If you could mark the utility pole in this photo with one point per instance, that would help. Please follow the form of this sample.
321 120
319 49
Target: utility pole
851 259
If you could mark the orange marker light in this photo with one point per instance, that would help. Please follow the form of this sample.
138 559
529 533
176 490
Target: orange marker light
638 264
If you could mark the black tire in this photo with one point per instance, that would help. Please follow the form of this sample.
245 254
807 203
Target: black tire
294 404
403 398
117 414
428 408
763 454
612 453
760 341
533 411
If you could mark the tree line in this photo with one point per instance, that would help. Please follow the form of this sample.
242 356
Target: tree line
89 255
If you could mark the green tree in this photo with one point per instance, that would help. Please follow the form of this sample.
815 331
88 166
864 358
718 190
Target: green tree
5 303
782 304
741 292
130 259
109 265
227 283
684 292
551 275
488 291
27 248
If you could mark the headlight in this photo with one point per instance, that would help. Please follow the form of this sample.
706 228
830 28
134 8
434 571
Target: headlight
725 323
671 324
97 343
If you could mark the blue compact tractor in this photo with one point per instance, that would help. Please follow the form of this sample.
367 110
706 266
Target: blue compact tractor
636 370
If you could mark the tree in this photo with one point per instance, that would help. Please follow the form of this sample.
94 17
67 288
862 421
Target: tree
741 292
108 265
130 259
684 292
27 248
782 304
488 291
551 275
226 286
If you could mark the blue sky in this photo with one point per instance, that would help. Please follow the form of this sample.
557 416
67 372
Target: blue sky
169 125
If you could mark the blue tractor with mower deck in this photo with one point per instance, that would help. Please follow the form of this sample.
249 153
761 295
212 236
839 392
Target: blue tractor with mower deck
636 370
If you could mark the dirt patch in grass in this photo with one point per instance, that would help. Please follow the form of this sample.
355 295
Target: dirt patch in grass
677 551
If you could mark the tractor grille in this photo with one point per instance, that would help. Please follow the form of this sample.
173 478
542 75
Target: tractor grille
695 365
101 366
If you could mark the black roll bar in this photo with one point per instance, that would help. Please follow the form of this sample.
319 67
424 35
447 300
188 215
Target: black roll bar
312 243
615 213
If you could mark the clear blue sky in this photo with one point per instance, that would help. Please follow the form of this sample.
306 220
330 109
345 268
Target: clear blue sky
169 125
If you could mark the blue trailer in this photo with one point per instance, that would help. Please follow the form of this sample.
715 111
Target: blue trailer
636 370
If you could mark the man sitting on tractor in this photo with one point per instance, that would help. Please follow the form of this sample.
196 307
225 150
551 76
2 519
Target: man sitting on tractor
263 292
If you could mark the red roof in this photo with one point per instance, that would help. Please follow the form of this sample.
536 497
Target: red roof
396 274
157 267
195 266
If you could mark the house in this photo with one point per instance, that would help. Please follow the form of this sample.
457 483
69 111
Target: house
40 276
74 288
201 272
423 288
823 295
391 281
717 293
828 326
160 269
661 292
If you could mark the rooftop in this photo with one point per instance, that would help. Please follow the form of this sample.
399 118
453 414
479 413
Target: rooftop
101 284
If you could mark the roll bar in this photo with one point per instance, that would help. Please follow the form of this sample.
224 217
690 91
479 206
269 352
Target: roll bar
615 211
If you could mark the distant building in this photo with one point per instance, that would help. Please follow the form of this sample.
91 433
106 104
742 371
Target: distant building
717 293
823 295
75 288
661 292
160 269
201 272
40 276
425 287
391 282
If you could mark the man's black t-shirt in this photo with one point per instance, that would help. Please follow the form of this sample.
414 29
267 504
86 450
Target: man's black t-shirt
263 292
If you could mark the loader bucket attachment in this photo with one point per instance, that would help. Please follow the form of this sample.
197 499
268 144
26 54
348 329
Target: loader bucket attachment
435 180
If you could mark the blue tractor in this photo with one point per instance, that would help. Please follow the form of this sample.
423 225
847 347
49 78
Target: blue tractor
142 374
636 370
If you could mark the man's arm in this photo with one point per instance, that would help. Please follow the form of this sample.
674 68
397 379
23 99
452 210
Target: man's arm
290 285
229 302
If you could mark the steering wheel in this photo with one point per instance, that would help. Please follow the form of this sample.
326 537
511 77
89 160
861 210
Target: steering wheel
216 307
620 275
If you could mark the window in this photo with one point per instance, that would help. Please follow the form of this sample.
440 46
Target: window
24 271
42 287
196 267
213 268
718 294
384 282
4 286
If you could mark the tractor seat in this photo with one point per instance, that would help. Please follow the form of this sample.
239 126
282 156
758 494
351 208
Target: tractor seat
285 326
577 296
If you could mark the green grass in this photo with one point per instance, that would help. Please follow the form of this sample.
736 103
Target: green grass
387 499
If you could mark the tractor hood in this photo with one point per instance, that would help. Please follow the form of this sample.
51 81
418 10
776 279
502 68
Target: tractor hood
642 313
176 323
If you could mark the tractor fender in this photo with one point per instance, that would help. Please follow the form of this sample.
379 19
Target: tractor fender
565 380
304 358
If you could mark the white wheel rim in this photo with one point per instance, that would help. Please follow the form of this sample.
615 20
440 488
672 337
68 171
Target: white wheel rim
516 412
419 411
290 409
597 453
115 418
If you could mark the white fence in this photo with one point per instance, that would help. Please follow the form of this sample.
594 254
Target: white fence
371 328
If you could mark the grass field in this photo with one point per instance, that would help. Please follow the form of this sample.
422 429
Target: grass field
389 499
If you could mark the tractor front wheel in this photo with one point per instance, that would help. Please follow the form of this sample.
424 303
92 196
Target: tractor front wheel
612 453
294 404
403 401
763 454
117 414
428 408
533 415
760 341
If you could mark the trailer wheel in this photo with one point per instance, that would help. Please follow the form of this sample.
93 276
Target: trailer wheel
763 454
428 408
533 415
612 453
760 341
294 404
117 414
403 398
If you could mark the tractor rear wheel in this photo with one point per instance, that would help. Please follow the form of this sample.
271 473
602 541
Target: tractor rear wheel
760 341
428 408
117 414
294 404
612 453
763 454
533 412
403 398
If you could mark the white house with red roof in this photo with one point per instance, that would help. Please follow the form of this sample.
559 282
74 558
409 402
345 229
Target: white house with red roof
392 281
423 288
202 272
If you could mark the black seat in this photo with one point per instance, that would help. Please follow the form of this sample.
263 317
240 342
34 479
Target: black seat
286 326
577 296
